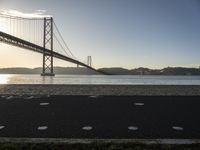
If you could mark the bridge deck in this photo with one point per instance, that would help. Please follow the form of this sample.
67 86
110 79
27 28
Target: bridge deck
15 41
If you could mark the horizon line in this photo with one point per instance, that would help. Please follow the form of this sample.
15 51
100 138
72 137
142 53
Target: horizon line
106 67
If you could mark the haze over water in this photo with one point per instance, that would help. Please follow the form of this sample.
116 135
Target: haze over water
101 79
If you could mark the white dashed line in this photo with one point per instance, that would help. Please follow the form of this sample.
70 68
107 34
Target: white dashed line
29 97
87 128
44 104
134 128
42 128
9 97
48 96
139 104
94 96
177 128
1 127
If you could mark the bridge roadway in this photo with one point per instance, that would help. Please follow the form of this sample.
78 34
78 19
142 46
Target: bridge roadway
15 41
100 117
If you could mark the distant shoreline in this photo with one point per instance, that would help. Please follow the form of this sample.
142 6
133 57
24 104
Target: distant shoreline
112 71
132 90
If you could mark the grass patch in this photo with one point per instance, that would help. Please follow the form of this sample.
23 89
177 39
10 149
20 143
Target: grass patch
95 146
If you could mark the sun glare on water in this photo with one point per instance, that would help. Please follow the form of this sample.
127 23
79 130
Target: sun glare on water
4 79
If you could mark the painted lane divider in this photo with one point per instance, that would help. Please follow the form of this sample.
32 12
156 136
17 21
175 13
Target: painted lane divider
87 128
42 128
177 128
29 97
133 128
9 97
1 127
94 96
44 104
139 104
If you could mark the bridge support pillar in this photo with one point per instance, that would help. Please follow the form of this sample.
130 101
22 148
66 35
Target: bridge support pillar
47 69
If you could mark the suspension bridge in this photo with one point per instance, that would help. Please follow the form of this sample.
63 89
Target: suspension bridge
40 35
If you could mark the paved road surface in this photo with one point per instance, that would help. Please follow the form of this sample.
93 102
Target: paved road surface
126 117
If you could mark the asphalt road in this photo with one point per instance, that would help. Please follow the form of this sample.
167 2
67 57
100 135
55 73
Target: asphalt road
116 117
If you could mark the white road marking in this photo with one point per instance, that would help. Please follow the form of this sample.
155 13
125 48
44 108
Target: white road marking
139 104
94 96
44 104
177 128
9 97
42 128
29 97
48 96
87 128
1 127
134 128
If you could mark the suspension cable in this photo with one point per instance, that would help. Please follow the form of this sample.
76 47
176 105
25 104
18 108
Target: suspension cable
18 21
17 17
64 41
60 44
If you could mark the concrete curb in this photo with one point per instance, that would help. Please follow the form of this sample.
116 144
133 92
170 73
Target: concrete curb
89 141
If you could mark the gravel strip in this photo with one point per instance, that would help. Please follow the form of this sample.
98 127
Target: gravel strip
148 90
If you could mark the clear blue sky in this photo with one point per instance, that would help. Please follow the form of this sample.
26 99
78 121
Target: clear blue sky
118 33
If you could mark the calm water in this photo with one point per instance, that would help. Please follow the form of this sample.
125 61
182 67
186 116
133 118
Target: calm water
100 79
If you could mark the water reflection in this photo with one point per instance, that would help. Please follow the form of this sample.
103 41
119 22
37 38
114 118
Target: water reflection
4 78
47 79
99 79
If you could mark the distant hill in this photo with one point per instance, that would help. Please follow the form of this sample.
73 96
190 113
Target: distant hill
113 71
116 71
147 71
19 71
